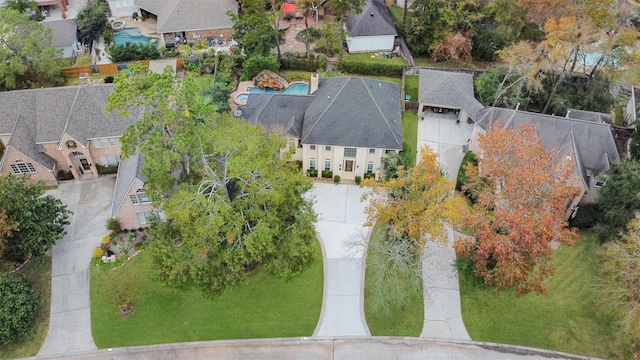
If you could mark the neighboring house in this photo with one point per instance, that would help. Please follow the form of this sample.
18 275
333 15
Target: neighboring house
344 127
590 144
44 131
122 7
372 29
448 91
589 116
192 20
130 204
631 110
63 5
64 36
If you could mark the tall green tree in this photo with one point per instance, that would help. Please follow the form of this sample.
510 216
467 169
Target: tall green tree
40 219
254 29
233 202
26 54
21 5
92 22
618 198
18 305
340 10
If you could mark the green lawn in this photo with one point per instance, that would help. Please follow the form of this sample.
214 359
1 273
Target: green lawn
400 320
40 274
366 58
410 135
396 13
262 307
202 81
411 84
567 319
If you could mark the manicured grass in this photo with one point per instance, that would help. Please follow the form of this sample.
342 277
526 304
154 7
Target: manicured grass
40 274
411 84
410 135
426 61
263 307
366 58
399 320
567 319
202 81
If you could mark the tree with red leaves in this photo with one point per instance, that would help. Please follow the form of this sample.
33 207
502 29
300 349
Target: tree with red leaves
522 191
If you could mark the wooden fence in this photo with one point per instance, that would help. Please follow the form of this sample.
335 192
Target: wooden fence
75 71
108 69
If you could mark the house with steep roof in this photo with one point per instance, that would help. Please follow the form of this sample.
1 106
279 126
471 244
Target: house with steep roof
448 91
192 20
372 29
589 116
590 144
45 131
344 127
64 36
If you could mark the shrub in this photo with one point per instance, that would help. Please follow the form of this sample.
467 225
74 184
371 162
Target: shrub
312 173
193 67
105 170
586 217
106 239
336 179
295 61
461 180
369 176
64 175
108 79
354 65
358 179
133 52
18 305
312 33
113 225
327 174
97 252
254 64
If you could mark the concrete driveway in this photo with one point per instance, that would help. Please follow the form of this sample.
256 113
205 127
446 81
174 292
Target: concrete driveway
70 322
340 219
442 309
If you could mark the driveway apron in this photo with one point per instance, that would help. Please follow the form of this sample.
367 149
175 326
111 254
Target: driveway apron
442 309
340 219
70 321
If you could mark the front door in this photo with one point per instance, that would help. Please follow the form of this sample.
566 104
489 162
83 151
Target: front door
85 165
348 165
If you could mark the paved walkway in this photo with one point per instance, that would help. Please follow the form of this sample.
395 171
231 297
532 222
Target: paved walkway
70 321
340 219
442 310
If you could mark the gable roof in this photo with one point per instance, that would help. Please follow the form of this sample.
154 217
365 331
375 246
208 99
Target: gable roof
373 20
593 141
63 31
448 89
589 116
129 170
271 110
190 15
354 111
23 139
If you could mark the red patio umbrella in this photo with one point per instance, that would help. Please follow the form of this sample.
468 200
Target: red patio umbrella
288 7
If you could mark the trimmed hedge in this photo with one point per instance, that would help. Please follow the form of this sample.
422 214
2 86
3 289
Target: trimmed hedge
312 173
105 170
586 217
377 68
327 174
294 61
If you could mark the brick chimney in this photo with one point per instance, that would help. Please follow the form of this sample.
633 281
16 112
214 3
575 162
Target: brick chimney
313 83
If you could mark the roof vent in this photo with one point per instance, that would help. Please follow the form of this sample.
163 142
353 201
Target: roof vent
371 14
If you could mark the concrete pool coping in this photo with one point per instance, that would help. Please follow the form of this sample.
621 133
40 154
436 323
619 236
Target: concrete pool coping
243 88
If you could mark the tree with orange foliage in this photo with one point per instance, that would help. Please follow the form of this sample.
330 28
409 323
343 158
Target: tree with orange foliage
522 190
417 203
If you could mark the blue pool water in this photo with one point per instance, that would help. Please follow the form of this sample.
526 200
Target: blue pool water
590 59
242 98
132 35
293 89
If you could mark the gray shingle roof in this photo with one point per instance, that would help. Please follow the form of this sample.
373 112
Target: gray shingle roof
190 15
64 31
272 110
594 142
354 111
128 170
450 90
23 139
373 20
589 116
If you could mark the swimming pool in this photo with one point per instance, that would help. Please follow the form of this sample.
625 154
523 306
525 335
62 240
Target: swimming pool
296 88
132 35
592 58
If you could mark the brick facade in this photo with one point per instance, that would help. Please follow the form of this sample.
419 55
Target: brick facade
127 213
14 157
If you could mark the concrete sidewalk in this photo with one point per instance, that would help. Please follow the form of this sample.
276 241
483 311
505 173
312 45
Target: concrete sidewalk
70 322
442 309
340 219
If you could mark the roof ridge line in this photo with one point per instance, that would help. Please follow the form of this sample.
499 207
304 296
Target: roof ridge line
66 124
386 121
